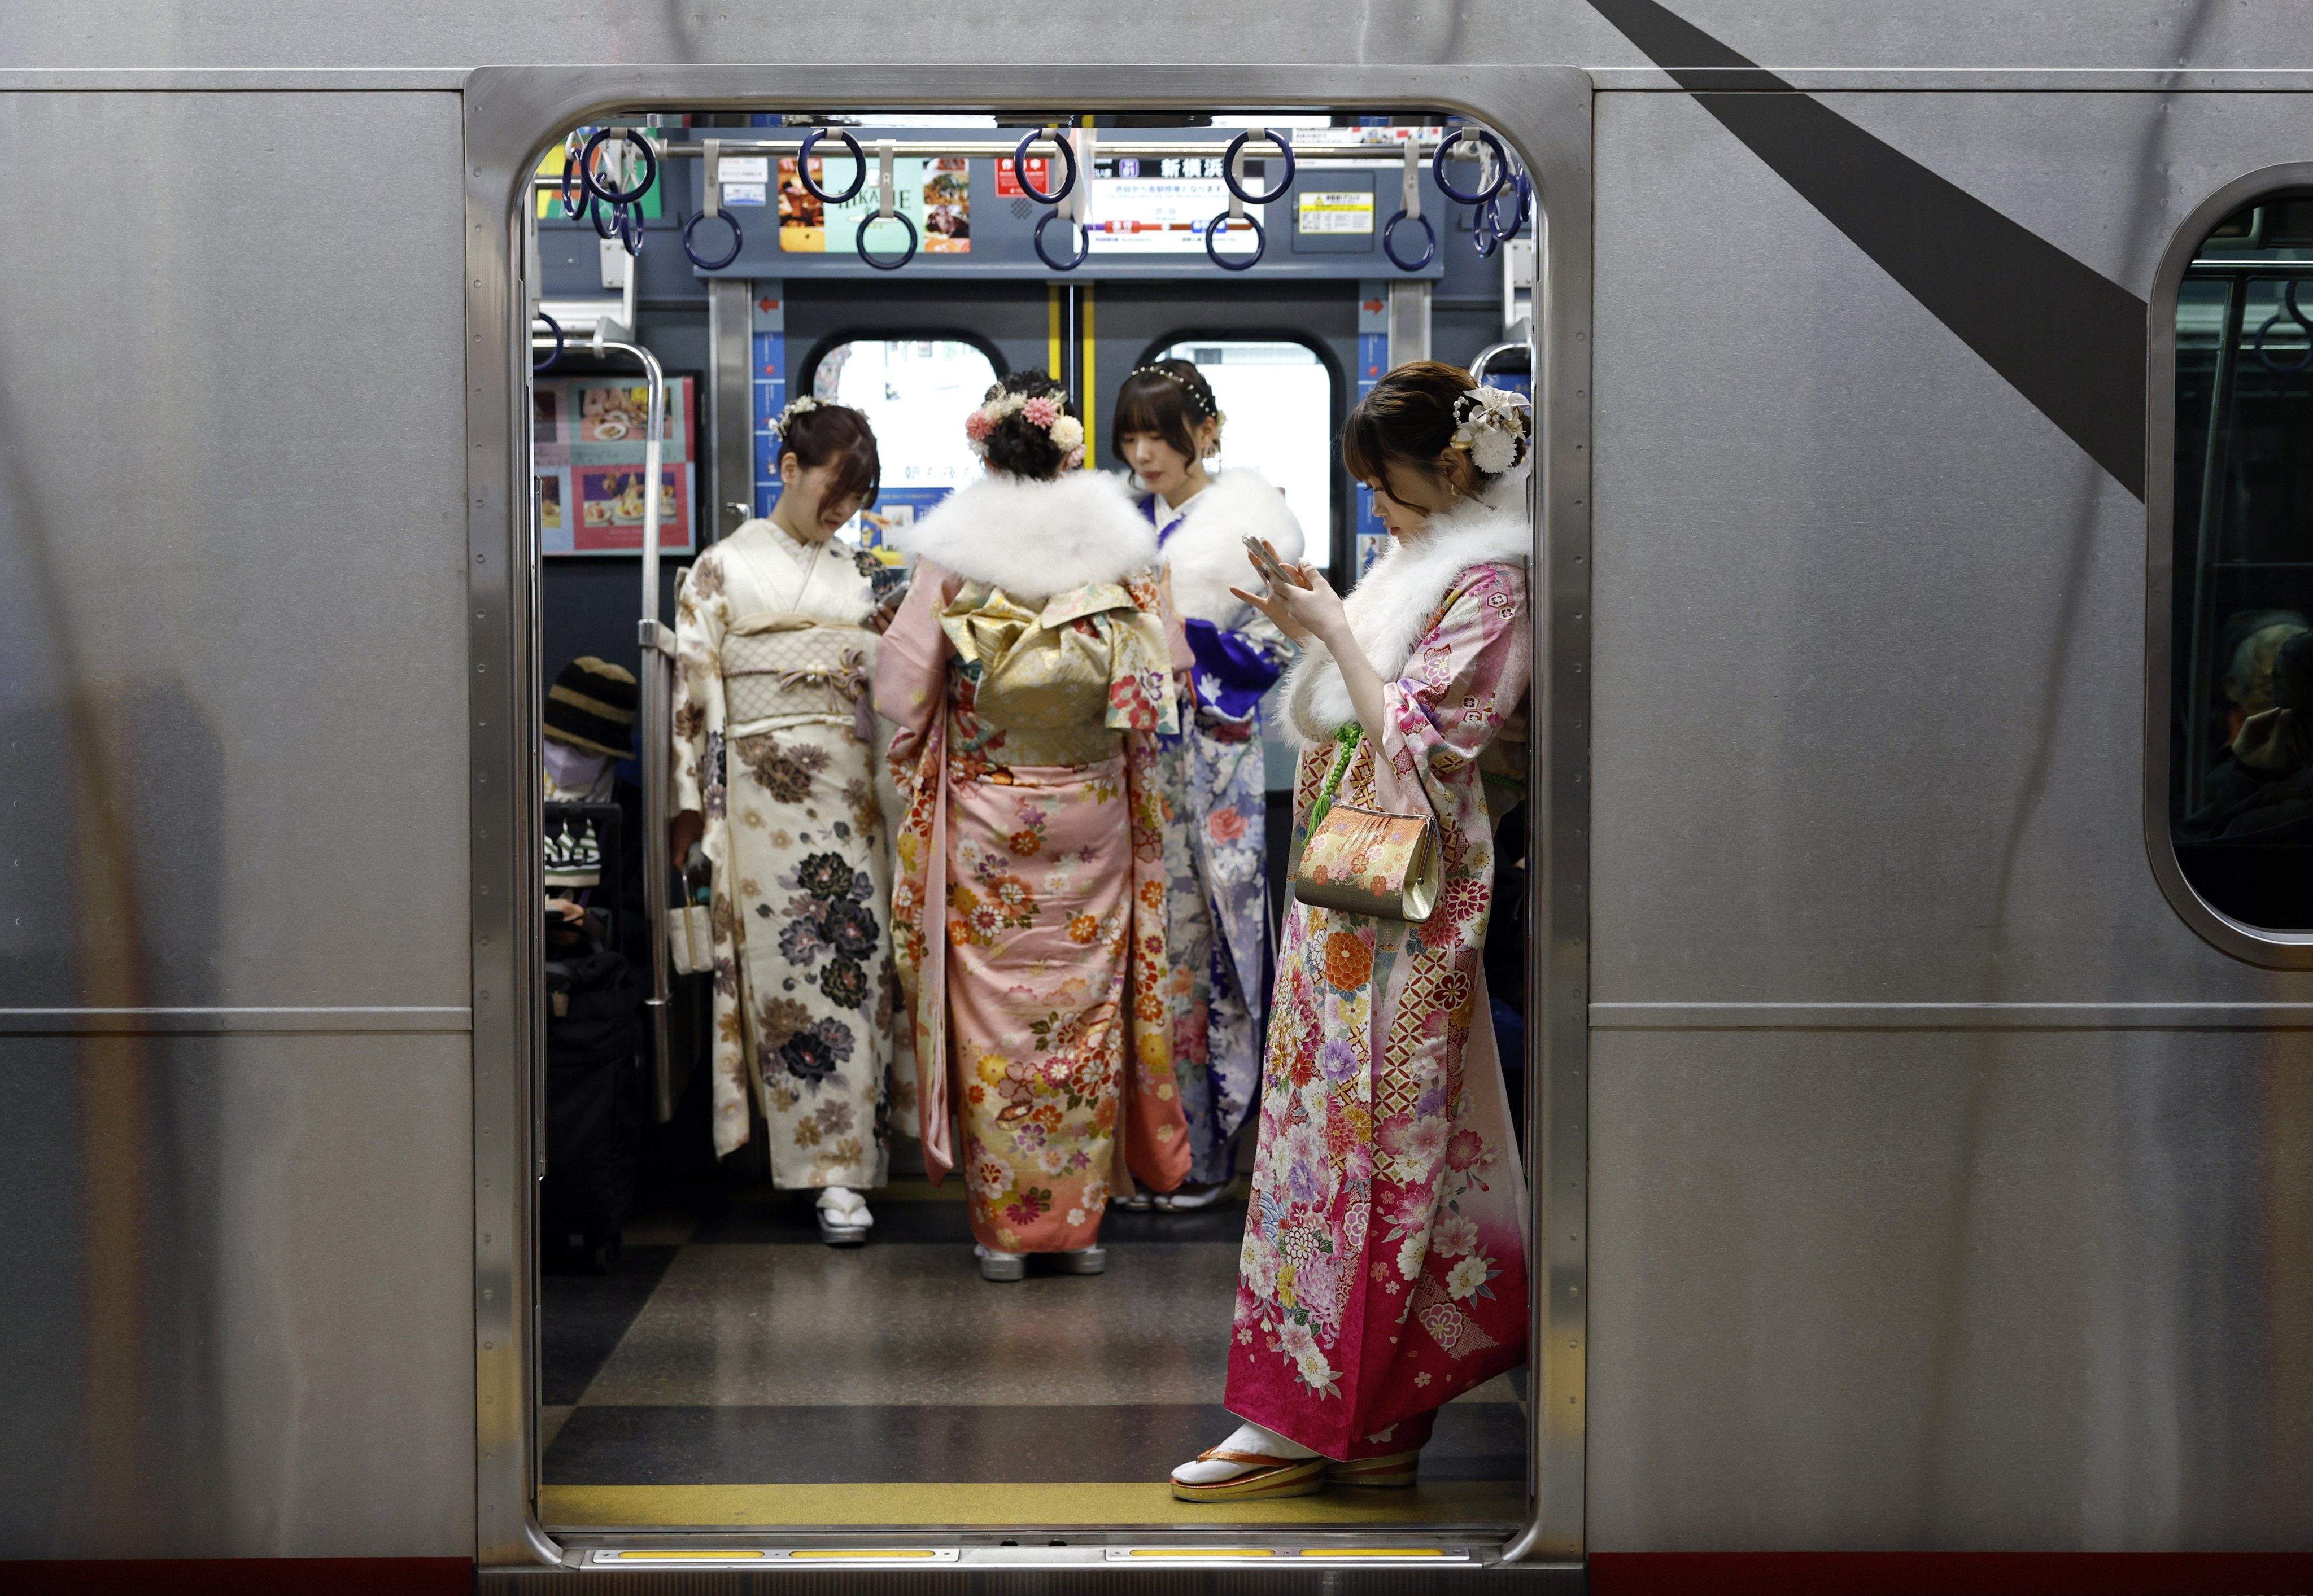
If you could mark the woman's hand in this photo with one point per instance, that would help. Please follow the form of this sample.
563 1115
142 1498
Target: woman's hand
681 832
1303 607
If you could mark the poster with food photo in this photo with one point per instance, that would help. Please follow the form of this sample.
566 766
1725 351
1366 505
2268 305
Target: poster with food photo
611 507
553 511
803 219
947 206
546 415
586 430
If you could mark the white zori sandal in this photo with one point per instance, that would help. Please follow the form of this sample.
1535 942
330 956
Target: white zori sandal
843 1217
1252 1463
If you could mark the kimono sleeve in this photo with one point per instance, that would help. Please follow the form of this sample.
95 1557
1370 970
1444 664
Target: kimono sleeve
911 665
1142 659
699 615
1464 681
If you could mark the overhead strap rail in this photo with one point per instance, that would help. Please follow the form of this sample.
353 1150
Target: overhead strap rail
1071 202
1313 145
1237 215
1408 211
710 205
1503 197
885 211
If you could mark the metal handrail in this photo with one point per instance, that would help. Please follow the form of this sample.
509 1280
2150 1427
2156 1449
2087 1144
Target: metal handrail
657 644
1110 145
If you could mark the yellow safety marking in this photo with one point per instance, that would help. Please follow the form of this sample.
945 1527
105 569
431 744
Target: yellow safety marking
724 1556
857 1555
1201 1551
1377 1551
776 1506
1089 382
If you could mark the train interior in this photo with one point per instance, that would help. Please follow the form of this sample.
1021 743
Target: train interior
704 1358
2242 663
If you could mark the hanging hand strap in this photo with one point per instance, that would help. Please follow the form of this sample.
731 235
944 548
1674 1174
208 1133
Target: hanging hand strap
1347 737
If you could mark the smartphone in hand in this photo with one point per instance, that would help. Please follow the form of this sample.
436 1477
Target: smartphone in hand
1273 573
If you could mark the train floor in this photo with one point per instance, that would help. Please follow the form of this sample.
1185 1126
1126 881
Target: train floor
736 1371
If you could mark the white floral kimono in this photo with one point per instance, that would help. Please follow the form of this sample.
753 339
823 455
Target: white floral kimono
775 745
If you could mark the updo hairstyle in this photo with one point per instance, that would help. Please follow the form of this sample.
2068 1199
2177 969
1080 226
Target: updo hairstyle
1408 421
1168 398
820 433
1015 445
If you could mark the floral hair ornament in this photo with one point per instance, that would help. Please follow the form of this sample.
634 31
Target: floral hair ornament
1041 411
1491 426
798 406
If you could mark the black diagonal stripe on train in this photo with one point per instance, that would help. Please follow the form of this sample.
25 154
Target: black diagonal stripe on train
2069 339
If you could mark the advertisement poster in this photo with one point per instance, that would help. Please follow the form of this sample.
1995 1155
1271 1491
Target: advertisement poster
746 180
611 507
586 451
1162 206
935 195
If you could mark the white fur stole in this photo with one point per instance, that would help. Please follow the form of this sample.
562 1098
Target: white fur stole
1032 539
1206 552
1395 603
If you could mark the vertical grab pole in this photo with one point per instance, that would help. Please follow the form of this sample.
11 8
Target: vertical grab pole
658 646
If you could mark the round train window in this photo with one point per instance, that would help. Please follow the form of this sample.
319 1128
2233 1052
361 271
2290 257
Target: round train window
2240 779
1279 399
915 392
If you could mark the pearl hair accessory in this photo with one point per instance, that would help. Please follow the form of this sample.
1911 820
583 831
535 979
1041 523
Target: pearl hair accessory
1491 426
1200 397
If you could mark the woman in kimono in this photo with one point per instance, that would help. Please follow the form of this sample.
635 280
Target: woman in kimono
1028 676
1384 1265
1167 425
774 743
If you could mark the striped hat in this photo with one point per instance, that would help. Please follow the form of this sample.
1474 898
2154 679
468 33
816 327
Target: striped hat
592 705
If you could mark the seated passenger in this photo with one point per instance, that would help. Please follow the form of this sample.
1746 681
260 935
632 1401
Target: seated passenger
588 727
1028 675
2264 792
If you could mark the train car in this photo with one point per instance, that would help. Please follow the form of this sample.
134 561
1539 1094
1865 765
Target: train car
1901 947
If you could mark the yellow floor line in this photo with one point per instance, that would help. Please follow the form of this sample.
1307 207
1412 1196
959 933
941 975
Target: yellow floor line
794 1507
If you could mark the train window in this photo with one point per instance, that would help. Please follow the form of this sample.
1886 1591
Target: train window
1279 399
911 390
2241 776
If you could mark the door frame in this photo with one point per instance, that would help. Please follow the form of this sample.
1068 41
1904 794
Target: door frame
512 115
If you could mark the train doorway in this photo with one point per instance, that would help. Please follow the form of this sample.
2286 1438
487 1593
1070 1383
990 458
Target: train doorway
713 1345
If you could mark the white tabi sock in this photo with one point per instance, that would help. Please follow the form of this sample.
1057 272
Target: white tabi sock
1248 1438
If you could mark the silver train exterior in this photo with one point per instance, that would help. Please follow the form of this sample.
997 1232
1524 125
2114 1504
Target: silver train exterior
1913 1177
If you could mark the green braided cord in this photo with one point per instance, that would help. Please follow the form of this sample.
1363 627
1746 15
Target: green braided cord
1347 738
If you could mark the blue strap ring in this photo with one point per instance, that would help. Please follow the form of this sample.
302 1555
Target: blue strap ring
1220 225
1020 168
1275 136
859 241
858 166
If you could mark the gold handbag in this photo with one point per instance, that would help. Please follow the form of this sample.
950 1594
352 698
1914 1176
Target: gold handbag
1368 861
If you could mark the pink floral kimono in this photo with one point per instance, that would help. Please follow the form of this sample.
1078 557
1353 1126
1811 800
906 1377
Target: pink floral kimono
1028 675
1384 1265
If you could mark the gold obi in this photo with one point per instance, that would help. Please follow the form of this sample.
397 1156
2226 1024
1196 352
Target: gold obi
780 665
1038 672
